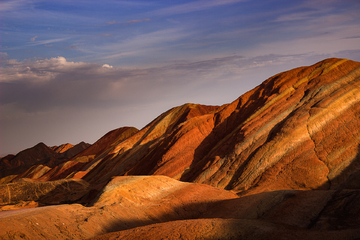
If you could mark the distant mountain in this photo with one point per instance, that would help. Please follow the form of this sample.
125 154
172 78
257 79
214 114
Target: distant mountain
14 166
62 148
281 161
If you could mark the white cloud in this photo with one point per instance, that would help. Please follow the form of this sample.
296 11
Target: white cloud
37 71
107 66
33 39
56 82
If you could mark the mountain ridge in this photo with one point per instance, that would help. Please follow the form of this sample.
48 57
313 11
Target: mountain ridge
13 166
284 155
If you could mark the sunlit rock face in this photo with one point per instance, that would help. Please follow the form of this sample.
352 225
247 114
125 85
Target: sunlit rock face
297 130
280 162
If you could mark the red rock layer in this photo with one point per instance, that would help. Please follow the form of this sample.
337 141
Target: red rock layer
62 148
297 130
79 164
140 153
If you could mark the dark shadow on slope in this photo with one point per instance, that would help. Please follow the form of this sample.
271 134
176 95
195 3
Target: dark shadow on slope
281 214
343 209
285 211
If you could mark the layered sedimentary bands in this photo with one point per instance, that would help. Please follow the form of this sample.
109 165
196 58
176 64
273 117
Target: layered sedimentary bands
280 162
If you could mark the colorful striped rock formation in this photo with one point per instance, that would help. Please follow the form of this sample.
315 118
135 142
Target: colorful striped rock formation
36 161
281 161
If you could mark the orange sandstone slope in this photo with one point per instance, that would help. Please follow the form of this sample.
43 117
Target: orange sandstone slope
297 130
74 168
159 207
126 202
141 153
123 150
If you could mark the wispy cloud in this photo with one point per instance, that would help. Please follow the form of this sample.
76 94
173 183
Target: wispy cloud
130 21
144 42
193 6
10 5
46 43
352 37
33 39
43 42
71 47
110 23
138 20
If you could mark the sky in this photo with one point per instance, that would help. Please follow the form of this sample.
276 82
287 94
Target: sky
73 70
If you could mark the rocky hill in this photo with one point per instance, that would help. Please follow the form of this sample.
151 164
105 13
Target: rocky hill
32 160
280 161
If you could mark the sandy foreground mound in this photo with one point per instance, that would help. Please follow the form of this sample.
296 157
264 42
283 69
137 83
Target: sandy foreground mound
154 207
217 228
54 192
126 202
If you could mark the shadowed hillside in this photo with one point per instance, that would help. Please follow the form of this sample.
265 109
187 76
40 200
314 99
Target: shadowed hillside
33 162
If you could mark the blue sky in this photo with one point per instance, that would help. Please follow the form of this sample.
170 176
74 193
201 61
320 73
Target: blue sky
73 70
